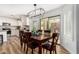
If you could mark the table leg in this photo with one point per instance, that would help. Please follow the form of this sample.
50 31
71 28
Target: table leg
40 49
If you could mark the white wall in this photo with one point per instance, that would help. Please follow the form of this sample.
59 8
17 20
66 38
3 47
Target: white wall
77 26
23 21
68 39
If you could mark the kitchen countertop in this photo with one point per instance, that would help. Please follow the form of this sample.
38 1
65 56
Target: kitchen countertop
3 30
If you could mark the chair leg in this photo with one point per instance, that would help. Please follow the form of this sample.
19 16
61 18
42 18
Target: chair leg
24 47
55 52
50 52
32 51
43 50
21 45
27 50
46 51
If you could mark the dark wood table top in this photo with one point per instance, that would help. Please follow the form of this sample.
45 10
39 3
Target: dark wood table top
41 38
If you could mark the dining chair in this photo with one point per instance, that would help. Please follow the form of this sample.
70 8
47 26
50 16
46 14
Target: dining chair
51 46
28 42
21 38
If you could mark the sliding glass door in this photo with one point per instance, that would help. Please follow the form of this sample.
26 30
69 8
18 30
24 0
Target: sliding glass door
44 24
50 23
54 24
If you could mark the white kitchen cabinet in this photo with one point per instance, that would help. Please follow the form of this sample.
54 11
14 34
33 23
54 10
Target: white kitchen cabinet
14 32
4 33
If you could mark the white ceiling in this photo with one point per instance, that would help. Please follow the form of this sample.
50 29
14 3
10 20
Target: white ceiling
23 9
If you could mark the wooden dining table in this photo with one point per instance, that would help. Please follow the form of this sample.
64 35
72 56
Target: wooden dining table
40 39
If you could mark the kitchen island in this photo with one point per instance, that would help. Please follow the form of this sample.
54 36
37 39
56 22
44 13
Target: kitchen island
3 33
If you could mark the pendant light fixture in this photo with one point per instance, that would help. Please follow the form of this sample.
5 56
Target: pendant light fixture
36 11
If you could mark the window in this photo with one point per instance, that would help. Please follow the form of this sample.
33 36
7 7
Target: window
50 23
44 24
54 23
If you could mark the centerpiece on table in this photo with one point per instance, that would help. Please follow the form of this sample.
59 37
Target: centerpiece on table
34 31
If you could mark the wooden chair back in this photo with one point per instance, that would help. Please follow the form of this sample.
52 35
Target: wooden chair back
55 37
21 35
26 36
